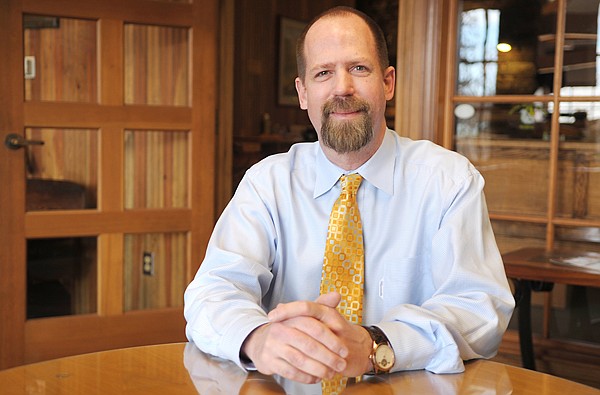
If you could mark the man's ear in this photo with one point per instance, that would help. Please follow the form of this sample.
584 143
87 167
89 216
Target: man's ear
301 89
389 81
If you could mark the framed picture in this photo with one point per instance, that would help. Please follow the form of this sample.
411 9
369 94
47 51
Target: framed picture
289 31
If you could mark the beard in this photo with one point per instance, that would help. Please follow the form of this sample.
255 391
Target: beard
347 135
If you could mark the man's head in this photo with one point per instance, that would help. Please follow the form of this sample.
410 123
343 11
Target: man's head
345 82
377 33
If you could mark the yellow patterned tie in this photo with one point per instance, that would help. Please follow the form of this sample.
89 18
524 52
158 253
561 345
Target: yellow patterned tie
343 265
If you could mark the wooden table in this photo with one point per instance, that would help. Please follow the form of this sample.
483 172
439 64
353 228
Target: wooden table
532 269
182 369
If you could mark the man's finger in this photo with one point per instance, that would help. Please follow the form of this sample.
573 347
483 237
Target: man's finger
285 311
323 309
293 354
331 299
322 344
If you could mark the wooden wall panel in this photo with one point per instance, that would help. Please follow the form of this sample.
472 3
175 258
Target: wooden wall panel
418 68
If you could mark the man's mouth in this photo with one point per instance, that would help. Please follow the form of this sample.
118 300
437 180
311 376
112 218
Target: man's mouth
345 108
344 113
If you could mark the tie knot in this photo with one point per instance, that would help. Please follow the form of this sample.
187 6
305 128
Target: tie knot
350 183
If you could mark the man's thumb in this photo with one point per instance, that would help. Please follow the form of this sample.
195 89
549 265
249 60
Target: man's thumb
331 299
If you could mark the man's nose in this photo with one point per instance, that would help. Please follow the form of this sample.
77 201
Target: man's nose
344 84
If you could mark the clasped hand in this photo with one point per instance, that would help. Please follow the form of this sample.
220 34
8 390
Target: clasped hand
309 341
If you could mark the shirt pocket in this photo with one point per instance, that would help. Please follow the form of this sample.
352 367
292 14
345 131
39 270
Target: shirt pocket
406 280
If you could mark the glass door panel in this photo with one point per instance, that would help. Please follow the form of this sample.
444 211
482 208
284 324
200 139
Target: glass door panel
502 139
157 65
579 157
62 173
156 169
580 50
60 59
512 235
500 48
579 193
579 160
61 276
154 270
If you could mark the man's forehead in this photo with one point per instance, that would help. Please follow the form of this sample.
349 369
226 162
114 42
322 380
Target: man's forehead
346 30
336 28
330 21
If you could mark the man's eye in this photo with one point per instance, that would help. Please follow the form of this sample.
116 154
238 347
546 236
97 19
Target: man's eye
360 68
322 73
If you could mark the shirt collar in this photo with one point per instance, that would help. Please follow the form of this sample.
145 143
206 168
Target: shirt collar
378 170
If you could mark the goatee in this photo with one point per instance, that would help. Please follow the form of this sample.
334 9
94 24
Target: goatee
346 135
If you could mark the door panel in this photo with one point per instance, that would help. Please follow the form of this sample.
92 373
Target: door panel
60 59
12 202
105 222
162 281
157 65
62 172
61 276
156 169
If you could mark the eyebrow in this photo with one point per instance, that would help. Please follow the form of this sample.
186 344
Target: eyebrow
322 66
329 65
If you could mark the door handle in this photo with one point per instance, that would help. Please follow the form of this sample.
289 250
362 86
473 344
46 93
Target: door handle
15 141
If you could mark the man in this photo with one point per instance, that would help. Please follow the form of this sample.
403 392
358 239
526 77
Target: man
435 292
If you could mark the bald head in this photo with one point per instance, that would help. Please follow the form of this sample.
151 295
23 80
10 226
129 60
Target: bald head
343 12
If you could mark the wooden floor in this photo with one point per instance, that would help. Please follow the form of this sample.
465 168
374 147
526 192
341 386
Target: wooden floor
576 364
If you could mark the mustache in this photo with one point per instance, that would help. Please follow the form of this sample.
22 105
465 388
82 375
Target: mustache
345 104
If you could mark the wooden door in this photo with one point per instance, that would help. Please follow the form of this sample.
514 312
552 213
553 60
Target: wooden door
103 225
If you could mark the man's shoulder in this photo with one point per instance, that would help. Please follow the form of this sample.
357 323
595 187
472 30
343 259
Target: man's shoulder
299 156
427 149
425 153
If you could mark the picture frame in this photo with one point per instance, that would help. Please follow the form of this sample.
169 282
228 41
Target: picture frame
289 31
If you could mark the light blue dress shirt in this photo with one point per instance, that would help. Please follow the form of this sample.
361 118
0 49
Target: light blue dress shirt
434 279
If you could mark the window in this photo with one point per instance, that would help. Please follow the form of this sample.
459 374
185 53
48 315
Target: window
527 114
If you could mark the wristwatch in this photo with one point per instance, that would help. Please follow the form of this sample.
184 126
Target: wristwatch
382 355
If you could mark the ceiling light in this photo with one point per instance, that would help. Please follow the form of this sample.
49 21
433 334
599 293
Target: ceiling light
503 47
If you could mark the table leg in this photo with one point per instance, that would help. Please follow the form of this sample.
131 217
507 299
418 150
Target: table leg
523 292
580 321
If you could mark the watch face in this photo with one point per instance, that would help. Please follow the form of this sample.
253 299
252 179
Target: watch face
384 357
